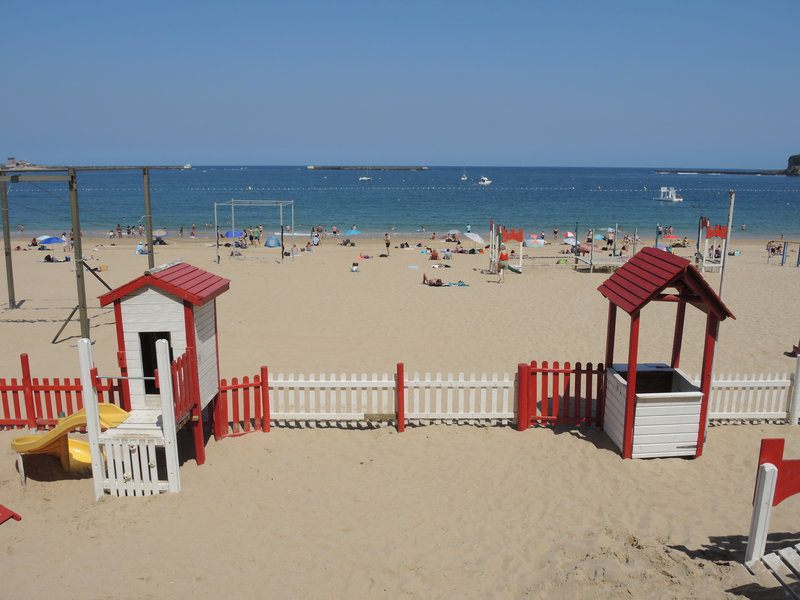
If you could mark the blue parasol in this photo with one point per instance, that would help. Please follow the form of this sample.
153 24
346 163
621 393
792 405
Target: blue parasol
49 239
233 234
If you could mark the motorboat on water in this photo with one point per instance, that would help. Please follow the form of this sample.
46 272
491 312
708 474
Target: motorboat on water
365 178
484 180
464 175
187 166
668 194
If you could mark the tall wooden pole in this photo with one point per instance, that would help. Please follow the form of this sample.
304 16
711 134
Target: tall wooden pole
715 333
12 302
148 219
78 252
727 242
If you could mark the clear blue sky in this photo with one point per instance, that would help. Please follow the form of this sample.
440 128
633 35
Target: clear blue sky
531 83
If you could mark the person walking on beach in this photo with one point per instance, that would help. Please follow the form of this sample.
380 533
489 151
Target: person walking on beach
502 264
388 241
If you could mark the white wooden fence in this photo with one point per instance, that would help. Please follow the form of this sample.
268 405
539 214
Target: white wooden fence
736 397
311 397
461 397
481 397
321 398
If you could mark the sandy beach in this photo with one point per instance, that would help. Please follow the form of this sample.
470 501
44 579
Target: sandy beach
439 511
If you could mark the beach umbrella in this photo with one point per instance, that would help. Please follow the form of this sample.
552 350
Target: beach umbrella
670 237
474 237
235 233
569 234
49 239
599 237
352 232
454 232
570 241
160 233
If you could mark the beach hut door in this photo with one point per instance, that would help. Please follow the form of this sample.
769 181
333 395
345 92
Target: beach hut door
147 341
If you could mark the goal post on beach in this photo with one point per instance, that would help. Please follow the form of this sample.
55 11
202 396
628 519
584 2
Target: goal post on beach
233 203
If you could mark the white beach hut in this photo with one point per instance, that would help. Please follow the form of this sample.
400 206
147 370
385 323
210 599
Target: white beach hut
176 302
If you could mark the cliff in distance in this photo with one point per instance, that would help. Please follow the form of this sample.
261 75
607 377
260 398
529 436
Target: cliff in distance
793 169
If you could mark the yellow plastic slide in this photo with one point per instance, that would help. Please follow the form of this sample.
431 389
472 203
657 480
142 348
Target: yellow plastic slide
74 454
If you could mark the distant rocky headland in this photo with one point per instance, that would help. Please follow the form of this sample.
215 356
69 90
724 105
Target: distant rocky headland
792 170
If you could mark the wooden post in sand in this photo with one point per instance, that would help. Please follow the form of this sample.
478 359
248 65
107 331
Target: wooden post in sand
12 303
523 418
794 402
168 417
92 414
401 398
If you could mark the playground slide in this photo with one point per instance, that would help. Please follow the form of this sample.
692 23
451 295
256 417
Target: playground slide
514 269
74 454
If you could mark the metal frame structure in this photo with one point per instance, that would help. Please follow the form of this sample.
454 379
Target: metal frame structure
36 173
233 203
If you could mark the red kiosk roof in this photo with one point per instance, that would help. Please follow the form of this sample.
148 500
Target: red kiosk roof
649 272
182 280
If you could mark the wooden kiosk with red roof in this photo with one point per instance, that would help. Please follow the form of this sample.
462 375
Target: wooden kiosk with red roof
176 302
653 410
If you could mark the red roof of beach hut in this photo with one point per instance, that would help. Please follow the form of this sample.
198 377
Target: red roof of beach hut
182 280
645 276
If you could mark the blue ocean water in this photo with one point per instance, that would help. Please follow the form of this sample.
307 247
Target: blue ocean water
533 198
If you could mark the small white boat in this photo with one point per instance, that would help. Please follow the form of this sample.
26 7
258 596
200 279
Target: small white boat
668 194
484 180
464 175
187 166
365 178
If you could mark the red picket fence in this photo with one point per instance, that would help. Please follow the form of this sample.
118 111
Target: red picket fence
564 396
185 389
242 418
186 398
34 403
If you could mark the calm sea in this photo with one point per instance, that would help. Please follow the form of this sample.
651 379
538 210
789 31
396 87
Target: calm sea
535 199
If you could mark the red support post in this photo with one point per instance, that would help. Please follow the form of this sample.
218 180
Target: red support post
705 378
677 338
523 416
630 397
265 399
401 397
27 392
122 359
221 411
